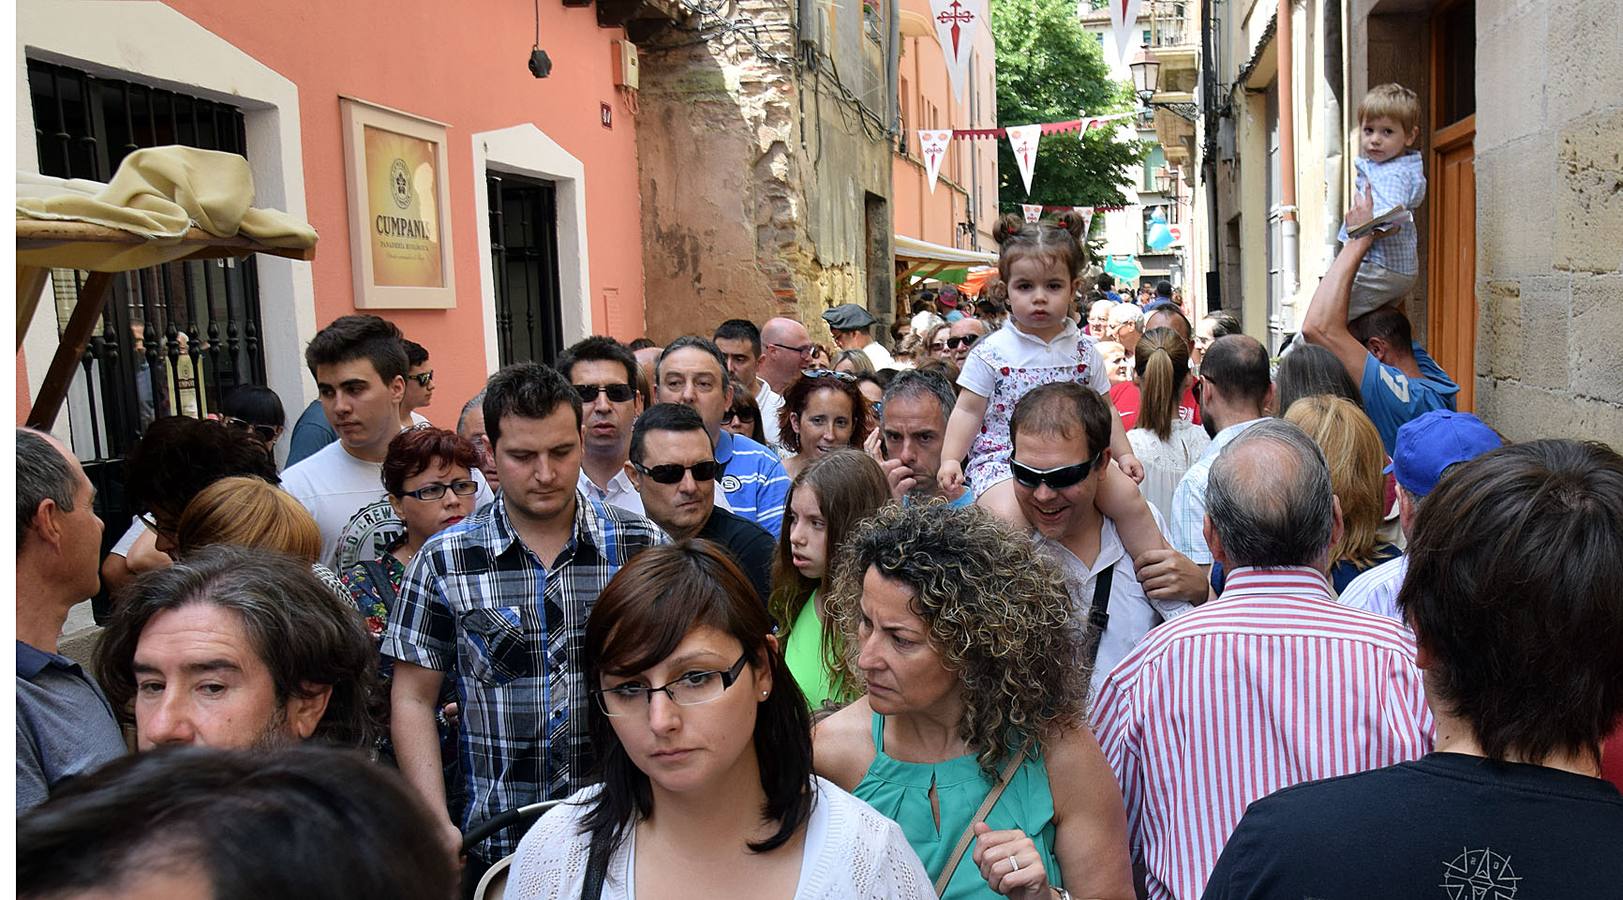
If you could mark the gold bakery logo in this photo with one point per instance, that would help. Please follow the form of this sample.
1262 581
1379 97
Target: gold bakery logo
400 183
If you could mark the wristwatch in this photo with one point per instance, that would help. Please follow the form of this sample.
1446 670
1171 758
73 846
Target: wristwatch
1060 892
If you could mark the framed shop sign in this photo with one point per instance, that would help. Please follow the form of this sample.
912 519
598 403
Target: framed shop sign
399 208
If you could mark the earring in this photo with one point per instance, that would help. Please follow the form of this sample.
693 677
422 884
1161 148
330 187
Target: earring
763 693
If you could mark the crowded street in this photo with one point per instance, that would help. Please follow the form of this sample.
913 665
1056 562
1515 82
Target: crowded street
1040 449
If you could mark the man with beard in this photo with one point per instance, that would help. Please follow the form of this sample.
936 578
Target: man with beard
1235 392
238 648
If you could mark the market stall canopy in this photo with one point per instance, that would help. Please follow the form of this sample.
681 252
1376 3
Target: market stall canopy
926 260
164 204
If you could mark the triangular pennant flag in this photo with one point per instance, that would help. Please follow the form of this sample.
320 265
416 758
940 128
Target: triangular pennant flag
1086 212
933 146
1124 24
956 22
1033 211
1023 140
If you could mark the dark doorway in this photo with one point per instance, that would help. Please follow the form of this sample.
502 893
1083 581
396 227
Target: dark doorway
524 261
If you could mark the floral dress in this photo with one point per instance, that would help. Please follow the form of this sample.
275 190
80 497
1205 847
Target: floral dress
1006 366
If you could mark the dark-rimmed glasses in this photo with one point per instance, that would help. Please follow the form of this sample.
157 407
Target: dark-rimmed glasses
1059 478
423 379
800 351
671 473
618 393
466 487
691 689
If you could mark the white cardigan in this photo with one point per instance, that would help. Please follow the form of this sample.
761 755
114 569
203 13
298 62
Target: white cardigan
851 851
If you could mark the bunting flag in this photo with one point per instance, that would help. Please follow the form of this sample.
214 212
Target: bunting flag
1086 212
956 23
1033 211
1123 24
933 147
1023 140
1081 126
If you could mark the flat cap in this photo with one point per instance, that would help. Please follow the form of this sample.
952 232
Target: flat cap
848 317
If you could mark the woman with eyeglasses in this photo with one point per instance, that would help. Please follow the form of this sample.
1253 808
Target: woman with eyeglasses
428 475
823 411
706 758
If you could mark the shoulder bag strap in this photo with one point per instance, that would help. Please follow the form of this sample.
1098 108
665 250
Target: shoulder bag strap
980 816
380 579
597 865
1099 613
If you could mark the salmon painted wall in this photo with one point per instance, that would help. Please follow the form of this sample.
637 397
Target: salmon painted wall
462 64
918 212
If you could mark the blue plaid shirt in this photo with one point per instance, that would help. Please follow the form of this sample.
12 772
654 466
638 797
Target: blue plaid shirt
477 600
1401 179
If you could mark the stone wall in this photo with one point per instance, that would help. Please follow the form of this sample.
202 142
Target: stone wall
1549 173
758 181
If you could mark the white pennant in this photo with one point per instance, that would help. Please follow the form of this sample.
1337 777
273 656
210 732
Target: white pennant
1086 212
1023 140
956 23
1123 24
933 147
1033 211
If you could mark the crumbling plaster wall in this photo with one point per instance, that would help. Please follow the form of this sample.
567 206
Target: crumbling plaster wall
753 181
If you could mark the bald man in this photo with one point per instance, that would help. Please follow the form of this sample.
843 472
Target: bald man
786 348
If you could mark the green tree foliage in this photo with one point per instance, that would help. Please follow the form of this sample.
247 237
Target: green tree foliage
1048 70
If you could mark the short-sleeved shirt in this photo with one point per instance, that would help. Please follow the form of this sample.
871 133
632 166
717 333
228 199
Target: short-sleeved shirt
65 726
1125 396
1376 590
1399 180
1189 499
310 433
751 546
1446 825
1392 398
476 599
753 479
769 403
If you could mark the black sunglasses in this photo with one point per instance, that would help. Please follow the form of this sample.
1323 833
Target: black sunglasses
737 415
423 379
671 473
618 393
828 373
1059 478
966 340
266 433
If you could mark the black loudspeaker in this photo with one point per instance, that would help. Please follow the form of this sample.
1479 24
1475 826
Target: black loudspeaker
540 63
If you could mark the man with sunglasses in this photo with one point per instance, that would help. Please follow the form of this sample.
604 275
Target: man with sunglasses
419 385
962 336
604 375
1061 439
674 468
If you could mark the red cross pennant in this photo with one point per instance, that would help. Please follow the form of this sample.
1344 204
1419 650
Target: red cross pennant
957 15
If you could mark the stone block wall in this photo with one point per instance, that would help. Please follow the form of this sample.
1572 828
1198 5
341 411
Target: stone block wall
1549 181
755 178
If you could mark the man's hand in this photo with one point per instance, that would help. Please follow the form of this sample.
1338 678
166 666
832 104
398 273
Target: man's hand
1169 575
899 477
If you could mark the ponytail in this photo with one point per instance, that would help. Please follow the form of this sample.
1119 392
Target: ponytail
1162 364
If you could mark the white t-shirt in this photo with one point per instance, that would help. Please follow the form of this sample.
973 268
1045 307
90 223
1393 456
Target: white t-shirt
879 356
346 497
770 403
850 851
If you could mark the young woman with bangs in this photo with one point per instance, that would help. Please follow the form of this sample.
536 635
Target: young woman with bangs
707 785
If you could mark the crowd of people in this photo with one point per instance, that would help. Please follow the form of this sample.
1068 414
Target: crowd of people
1061 595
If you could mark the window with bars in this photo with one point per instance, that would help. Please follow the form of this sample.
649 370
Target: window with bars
524 260
171 338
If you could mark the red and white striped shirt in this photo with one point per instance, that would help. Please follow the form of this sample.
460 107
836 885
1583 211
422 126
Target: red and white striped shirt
1270 685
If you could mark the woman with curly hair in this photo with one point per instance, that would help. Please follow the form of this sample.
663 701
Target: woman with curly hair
961 632
823 411
826 501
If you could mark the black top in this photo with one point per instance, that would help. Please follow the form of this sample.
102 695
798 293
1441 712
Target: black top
750 545
1448 826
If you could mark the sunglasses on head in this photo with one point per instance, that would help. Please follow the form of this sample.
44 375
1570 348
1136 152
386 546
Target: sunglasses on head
671 473
828 373
1059 478
967 340
423 379
266 433
618 393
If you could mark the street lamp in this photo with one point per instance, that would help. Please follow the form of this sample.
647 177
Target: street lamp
1147 80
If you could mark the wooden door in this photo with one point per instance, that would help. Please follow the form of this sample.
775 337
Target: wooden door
1451 307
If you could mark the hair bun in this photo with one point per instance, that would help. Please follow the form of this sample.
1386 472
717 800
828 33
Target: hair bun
1072 222
1008 225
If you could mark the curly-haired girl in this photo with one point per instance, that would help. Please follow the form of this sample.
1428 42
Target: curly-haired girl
961 632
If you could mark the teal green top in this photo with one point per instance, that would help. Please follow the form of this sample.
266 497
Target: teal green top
901 791
803 653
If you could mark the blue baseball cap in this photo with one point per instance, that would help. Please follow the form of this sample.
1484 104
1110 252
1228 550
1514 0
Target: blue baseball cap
1428 445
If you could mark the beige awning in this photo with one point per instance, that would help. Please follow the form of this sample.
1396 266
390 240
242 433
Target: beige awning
924 259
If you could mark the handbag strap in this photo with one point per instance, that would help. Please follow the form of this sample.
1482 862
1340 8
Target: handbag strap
980 816
597 865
